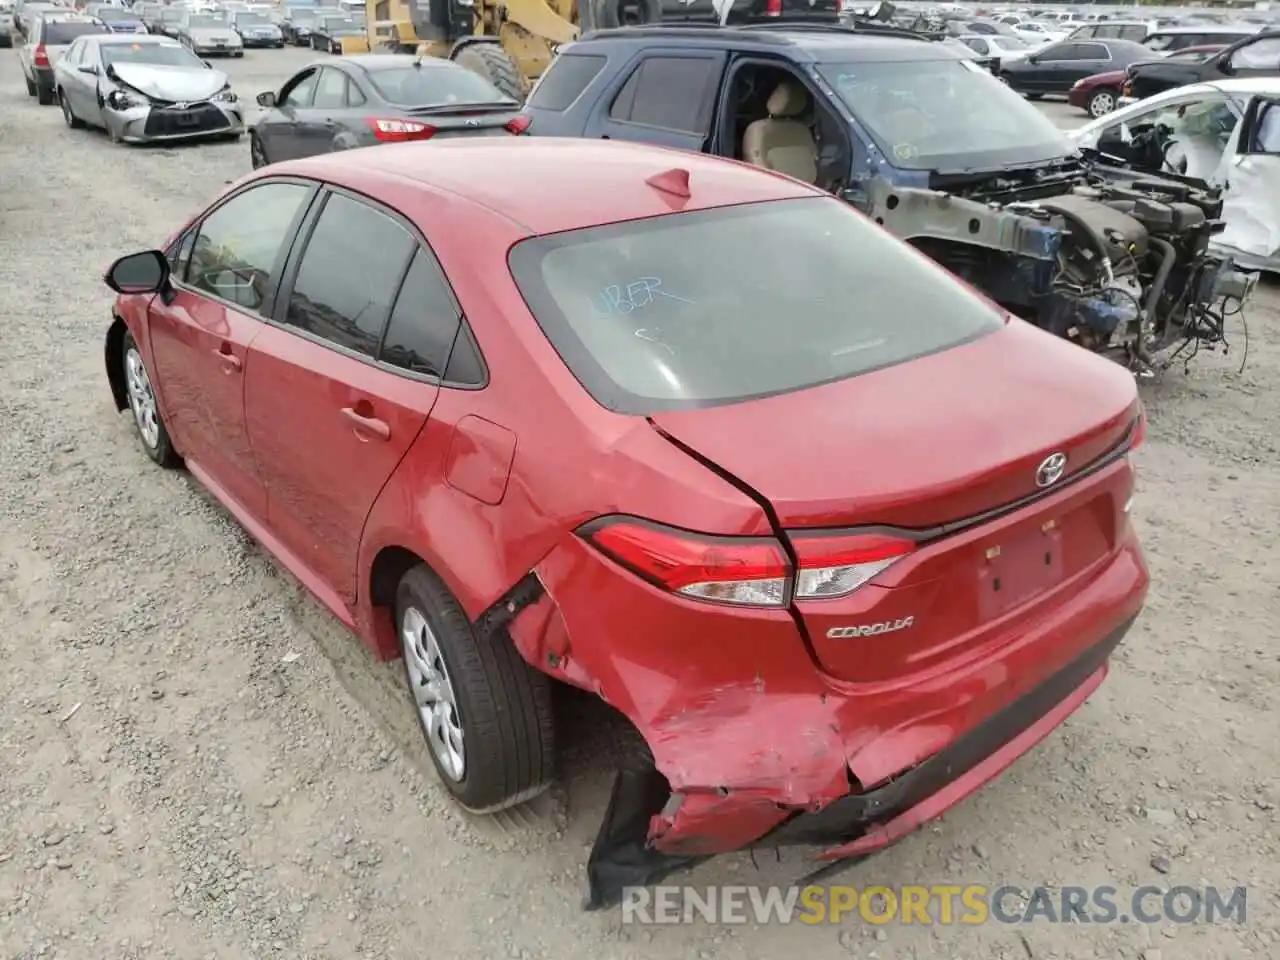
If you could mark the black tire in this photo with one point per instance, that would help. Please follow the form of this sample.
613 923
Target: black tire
45 96
72 121
257 152
31 86
502 705
161 451
1102 102
495 65
627 13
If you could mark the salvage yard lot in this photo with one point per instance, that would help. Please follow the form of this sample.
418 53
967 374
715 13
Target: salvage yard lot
195 761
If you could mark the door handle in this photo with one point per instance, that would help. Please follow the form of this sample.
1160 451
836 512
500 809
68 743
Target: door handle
230 362
367 426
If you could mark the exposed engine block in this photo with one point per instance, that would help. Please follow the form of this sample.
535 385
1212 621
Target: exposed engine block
1118 265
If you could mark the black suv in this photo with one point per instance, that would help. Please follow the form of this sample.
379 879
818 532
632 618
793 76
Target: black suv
1257 55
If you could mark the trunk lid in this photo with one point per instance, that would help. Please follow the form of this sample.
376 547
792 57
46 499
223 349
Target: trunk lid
456 120
931 447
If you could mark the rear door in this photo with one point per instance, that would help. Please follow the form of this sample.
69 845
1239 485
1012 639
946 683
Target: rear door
663 97
328 421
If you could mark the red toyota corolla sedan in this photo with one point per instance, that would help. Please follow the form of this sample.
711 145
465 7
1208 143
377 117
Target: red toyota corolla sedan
840 538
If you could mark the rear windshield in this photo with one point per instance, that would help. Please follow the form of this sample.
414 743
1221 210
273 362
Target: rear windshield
433 86
162 54
60 33
694 309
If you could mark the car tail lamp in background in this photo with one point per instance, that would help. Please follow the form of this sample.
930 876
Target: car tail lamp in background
519 125
773 8
400 131
747 571
40 57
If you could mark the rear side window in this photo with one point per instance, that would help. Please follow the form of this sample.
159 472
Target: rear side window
691 309
60 33
1133 31
670 93
565 80
424 322
349 274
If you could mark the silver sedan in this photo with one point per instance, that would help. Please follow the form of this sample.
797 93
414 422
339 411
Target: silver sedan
145 89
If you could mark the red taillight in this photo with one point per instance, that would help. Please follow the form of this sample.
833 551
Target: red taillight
749 571
836 565
773 8
519 125
398 131
40 57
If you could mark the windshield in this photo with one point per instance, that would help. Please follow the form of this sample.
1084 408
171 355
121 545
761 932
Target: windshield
338 23
252 19
110 13
205 20
693 309
436 85
1010 43
161 54
301 16
61 33
944 115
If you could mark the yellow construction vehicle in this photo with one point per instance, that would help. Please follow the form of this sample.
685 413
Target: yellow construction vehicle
508 42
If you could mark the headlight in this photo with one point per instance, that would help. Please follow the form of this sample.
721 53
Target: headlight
122 100
225 95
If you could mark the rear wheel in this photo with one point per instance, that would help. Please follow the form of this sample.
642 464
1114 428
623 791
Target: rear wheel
31 86
486 714
495 65
1101 103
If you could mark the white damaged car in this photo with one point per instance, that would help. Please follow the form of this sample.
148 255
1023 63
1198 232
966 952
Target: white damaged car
145 89
1225 133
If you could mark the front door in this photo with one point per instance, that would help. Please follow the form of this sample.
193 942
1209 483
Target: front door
1248 174
666 98
280 130
327 424
321 122
200 339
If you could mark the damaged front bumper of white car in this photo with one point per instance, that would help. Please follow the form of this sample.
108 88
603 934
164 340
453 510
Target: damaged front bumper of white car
133 118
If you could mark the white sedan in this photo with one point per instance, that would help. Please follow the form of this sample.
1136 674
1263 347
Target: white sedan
1226 133
1038 34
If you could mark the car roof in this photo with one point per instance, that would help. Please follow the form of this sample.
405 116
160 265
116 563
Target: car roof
547 184
1239 28
374 62
811 43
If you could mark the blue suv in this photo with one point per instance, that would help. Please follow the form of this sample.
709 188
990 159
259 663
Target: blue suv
918 135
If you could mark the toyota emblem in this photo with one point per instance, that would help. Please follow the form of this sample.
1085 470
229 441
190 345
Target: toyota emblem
1051 470
473 123
181 105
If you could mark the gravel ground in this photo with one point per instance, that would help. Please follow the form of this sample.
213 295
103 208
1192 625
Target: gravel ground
195 761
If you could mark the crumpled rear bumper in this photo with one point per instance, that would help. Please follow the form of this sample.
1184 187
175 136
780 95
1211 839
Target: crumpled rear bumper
857 825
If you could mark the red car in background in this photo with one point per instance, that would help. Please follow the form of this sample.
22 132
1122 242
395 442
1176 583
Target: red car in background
839 537
1097 95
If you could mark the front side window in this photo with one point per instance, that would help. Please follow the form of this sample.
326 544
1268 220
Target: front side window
691 309
564 81
944 113
670 93
1261 55
299 94
240 243
349 274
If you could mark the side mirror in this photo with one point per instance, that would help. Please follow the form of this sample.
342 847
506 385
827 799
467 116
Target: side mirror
88 68
267 99
146 272
1225 66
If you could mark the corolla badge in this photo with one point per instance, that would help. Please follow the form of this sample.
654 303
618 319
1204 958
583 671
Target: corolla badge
870 629
181 105
1051 470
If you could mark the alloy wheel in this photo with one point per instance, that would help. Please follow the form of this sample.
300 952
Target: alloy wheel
1102 103
142 399
433 693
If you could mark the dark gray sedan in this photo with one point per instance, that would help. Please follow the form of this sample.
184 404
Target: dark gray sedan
377 98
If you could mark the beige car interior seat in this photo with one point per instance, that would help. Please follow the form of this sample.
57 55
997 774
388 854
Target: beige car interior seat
781 142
